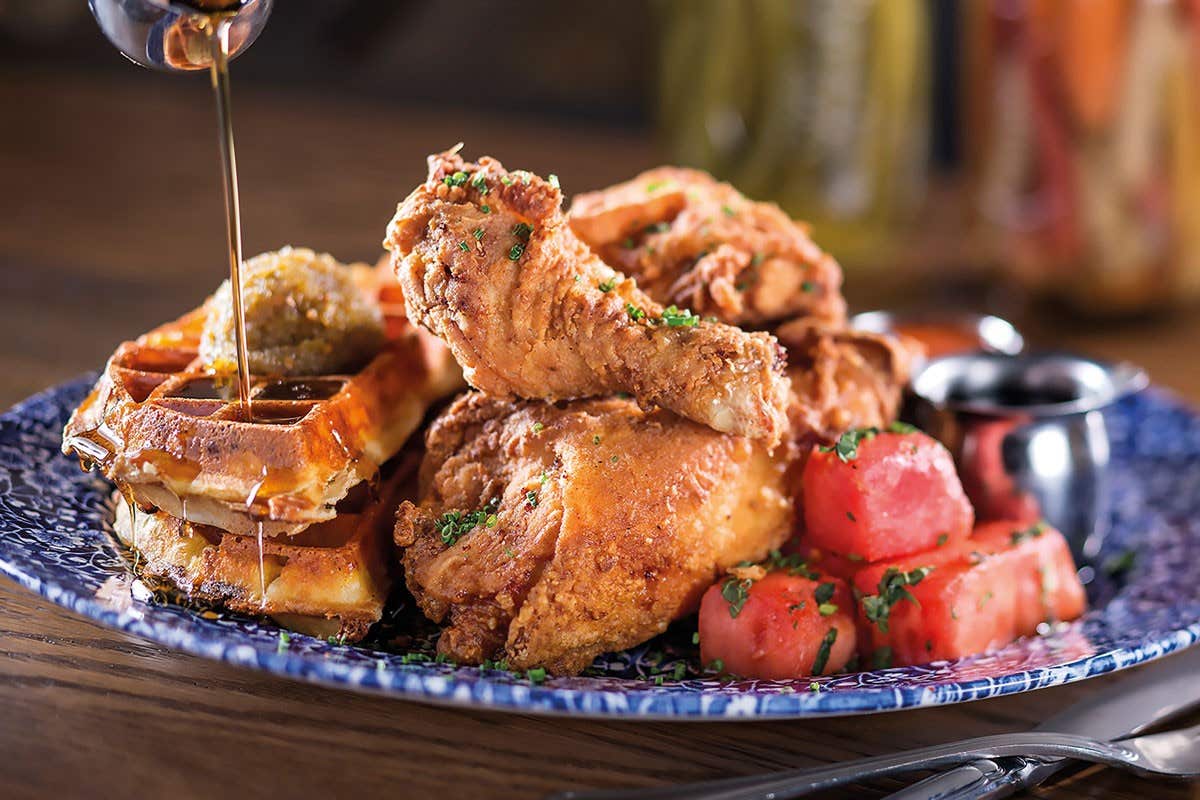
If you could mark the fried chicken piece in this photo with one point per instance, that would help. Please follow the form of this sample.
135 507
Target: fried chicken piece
487 262
843 378
548 534
700 243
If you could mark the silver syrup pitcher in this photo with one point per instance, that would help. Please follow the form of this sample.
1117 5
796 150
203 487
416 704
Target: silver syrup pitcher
1028 434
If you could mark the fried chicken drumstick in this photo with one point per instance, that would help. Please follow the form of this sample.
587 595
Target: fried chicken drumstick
488 263
549 534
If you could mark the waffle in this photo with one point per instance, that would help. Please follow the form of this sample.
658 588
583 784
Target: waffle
162 427
332 579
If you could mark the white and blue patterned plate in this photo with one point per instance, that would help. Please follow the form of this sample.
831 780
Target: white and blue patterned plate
55 540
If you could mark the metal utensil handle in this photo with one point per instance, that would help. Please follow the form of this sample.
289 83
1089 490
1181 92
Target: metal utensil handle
983 780
1035 747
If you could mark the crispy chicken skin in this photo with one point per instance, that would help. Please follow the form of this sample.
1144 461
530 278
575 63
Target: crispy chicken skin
611 523
696 242
488 263
843 378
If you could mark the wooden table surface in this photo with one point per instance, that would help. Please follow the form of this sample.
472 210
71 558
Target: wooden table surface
110 221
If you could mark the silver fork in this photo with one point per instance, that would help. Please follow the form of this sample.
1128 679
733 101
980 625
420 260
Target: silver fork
1172 754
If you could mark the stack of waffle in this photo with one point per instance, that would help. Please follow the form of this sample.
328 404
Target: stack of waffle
288 514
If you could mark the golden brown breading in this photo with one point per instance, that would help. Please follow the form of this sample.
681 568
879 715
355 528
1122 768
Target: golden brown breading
843 378
699 243
488 263
610 523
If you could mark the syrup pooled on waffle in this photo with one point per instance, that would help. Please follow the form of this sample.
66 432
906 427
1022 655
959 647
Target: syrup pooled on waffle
170 433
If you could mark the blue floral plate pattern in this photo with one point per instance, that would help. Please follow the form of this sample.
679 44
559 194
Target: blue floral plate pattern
55 540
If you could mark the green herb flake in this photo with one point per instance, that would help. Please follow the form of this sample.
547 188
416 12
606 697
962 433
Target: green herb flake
552 179
480 183
478 234
457 179
679 318
822 659
607 286
516 251
893 588
850 516
285 639
793 564
757 259
1119 564
983 601
531 499
941 540
506 180
902 428
814 687
485 208
538 427
654 186
628 243
634 312
658 227
596 438
827 609
696 637
736 592
807 286
466 248
536 675
453 525
727 211
824 592
522 230
847 444
1032 532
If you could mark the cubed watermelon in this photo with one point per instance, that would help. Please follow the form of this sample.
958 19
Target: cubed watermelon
777 626
883 494
971 597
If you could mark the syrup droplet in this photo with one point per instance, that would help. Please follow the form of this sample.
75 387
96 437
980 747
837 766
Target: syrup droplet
262 571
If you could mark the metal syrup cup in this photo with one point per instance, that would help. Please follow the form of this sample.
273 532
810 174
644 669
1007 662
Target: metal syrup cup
1028 434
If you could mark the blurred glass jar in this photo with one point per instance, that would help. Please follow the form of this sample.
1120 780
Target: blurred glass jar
821 105
1082 129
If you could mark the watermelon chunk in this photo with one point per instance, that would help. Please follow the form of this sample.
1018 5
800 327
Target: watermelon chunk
884 495
972 597
778 626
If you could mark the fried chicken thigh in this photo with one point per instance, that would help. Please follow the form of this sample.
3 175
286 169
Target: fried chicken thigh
696 242
843 378
488 263
548 534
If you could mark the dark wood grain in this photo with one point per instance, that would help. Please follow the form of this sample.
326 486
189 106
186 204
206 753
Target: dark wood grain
109 223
